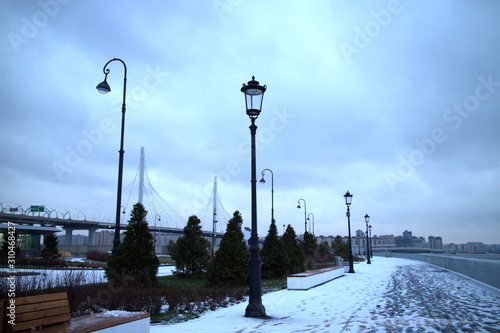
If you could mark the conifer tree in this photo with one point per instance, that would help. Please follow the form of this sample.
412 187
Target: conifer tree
340 248
292 248
50 246
309 244
275 262
135 258
190 252
324 249
230 263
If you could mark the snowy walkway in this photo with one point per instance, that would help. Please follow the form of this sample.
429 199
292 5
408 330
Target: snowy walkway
390 295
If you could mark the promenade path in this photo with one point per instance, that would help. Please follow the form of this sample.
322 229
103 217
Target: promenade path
390 295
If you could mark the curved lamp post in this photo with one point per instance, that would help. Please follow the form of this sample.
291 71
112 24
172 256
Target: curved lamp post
104 88
157 219
272 190
367 219
305 213
348 200
254 94
310 223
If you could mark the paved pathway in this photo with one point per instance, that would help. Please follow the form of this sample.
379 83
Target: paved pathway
391 295
422 297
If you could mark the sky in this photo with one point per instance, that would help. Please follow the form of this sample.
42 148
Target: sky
396 102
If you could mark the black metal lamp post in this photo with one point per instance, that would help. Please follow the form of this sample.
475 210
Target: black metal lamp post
272 190
157 219
104 88
254 94
310 223
371 247
305 213
367 219
348 200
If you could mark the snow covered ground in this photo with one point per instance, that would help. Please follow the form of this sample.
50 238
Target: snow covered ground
390 295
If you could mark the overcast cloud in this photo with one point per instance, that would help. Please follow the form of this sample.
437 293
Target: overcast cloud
396 101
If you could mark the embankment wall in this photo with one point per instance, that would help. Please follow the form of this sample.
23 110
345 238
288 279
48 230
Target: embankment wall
486 271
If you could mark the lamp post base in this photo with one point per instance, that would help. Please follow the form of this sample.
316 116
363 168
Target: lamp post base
351 264
255 310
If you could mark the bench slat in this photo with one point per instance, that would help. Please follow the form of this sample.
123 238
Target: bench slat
29 316
41 306
40 298
40 322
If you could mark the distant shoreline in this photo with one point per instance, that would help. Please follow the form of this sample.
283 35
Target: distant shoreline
489 256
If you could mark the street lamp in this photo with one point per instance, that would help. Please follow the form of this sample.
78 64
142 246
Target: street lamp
157 219
272 190
254 94
367 219
312 222
104 88
305 213
371 247
348 200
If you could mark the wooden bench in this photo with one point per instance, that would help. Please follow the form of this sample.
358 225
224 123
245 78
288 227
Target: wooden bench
313 278
51 313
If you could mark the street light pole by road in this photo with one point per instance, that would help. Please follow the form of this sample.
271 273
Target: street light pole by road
104 88
348 200
254 94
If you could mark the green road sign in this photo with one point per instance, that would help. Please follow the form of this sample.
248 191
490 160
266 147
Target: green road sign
37 209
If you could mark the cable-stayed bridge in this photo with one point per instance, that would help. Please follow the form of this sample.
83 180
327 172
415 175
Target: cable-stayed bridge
160 213
162 218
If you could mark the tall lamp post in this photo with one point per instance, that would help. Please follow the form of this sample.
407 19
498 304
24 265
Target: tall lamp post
254 94
310 223
371 247
104 88
348 200
367 219
272 190
305 213
157 219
